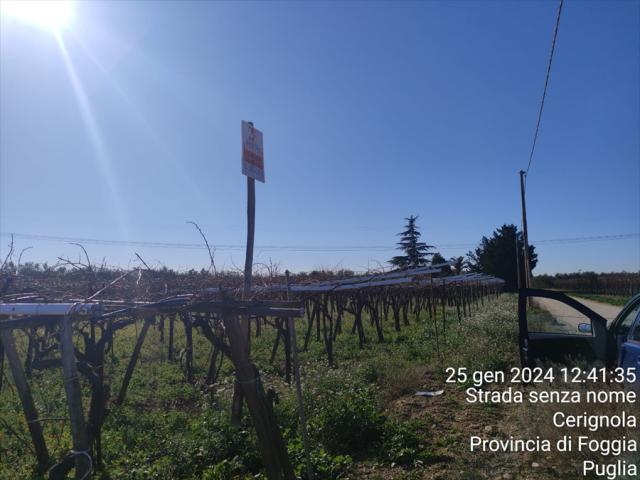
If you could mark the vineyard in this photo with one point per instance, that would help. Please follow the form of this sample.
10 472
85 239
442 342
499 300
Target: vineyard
110 335
447 152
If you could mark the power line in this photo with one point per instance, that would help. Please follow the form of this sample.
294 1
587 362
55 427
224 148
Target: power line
598 238
293 248
546 83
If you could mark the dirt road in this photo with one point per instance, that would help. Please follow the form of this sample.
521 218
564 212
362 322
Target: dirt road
608 311
569 317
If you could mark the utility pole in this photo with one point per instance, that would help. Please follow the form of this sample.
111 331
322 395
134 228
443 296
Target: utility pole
518 276
527 270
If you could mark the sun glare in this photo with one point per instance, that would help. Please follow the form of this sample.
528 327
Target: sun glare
48 14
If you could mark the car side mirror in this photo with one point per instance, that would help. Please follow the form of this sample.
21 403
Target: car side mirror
585 328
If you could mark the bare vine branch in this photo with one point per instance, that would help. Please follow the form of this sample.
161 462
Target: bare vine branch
143 262
112 283
20 256
89 266
8 257
212 265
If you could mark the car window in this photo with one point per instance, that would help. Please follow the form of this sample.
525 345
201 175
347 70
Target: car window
624 326
547 315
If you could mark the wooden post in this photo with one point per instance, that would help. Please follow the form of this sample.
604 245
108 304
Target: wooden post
463 297
357 314
30 346
251 224
95 352
212 372
276 343
395 307
432 308
170 349
287 352
1 364
326 335
188 333
24 392
270 441
311 310
133 360
83 461
435 318
338 327
444 307
236 408
296 375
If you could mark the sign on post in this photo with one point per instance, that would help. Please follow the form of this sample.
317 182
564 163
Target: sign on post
252 152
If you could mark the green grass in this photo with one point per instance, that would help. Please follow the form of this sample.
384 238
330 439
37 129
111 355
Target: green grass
170 429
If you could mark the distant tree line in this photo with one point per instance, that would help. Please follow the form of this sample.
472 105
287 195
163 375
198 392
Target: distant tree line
495 255
615 283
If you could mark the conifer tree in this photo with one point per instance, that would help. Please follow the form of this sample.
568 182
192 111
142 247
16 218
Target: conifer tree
416 253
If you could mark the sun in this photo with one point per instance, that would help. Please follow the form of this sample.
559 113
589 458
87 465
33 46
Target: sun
51 15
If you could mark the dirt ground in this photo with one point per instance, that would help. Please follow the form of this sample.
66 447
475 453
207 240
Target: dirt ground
451 421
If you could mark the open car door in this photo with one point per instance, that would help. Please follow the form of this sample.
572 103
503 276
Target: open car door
556 328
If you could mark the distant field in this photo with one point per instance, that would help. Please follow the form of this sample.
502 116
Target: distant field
610 299
614 284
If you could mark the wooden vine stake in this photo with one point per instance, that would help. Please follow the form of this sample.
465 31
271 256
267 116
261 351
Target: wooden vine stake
270 441
133 360
24 392
74 401
296 374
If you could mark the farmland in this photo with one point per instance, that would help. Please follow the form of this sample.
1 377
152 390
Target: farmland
363 416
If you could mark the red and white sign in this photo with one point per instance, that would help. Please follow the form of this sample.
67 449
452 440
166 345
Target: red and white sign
252 152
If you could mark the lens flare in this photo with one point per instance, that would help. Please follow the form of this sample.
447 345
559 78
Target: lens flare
48 14
101 154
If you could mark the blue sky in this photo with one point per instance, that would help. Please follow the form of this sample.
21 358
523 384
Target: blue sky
129 126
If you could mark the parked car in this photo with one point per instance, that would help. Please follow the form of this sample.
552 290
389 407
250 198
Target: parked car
595 340
629 350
